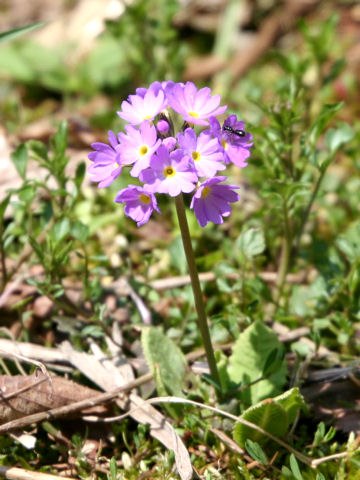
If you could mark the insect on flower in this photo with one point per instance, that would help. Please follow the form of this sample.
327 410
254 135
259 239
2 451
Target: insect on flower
238 132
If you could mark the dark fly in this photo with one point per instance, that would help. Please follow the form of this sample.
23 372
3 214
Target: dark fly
237 132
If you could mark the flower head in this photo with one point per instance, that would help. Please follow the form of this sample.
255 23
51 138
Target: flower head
170 172
196 106
140 203
143 106
137 146
206 153
106 166
211 201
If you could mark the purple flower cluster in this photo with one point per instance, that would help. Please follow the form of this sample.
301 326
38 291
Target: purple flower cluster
167 161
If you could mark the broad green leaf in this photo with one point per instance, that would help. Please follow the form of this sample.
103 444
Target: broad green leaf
270 416
3 205
305 298
159 350
80 231
17 32
256 452
20 158
349 242
113 468
59 140
323 119
295 467
320 476
292 401
251 242
39 149
248 360
60 229
37 248
335 138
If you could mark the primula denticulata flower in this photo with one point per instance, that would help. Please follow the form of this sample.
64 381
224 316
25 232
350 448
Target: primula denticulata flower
166 161
170 173
205 153
140 203
196 106
138 145
137 108
106 166
211 201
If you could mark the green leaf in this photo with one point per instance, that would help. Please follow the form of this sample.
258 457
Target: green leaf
336 138
37 248
292 401
39 149
320 476
270 416
3 205
59 140
60 229
20 159
17 32
113 468
251 242
322 121
248 360
349 243
80 174
256 452
162 353
80 231
295 467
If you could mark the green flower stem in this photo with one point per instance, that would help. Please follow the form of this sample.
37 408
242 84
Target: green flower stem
195 283
308 208
285 255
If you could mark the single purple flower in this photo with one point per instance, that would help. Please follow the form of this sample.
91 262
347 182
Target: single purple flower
140 203
211 201
155 87
143 106
236 148
170 173
137 146
206 153
196 106
106 166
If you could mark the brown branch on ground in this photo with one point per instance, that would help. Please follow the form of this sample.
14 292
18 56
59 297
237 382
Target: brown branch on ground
280 22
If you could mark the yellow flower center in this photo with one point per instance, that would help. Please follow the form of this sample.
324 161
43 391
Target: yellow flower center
147 117
144 198
169 171
196 156
224 144
205 192
193 114
143 150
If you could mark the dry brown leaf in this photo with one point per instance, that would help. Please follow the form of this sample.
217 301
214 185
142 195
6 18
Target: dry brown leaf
23 395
